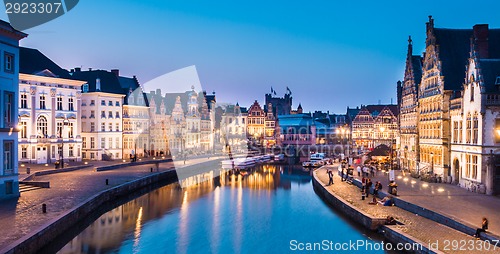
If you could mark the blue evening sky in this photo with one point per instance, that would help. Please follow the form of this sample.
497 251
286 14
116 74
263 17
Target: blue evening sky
331 54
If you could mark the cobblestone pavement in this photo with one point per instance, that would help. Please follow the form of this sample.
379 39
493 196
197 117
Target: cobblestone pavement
447 199
19 217
423 229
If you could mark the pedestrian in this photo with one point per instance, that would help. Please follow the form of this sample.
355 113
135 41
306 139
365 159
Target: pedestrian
372 171
376 188
359 170
330 176
368 186
484 227
342 177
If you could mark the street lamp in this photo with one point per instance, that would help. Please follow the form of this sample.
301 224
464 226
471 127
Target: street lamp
61 156
432 163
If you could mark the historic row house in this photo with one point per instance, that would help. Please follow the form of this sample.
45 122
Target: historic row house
408 111
233 128
49 111
374 125
9 99
475 120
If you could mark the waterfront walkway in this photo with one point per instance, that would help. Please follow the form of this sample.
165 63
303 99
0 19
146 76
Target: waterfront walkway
450 200
424 230
23 216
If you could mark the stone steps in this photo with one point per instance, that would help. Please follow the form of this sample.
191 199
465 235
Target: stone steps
25 187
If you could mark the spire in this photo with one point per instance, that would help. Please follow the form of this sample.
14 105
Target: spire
410 46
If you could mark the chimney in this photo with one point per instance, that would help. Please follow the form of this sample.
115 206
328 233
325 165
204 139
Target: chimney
78 69
158 91
98 84
116 72
481 33
90 69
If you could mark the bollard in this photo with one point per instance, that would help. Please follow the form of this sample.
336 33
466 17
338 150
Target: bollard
107 181
28 170
44 208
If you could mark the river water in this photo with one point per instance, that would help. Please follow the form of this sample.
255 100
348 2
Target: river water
271 209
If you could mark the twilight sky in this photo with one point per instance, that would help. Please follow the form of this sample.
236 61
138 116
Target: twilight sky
331 54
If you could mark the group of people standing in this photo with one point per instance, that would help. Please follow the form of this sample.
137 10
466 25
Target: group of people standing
368 171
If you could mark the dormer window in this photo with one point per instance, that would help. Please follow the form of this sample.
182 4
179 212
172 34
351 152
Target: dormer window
497 81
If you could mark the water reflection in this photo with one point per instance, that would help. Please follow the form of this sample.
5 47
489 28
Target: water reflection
221 210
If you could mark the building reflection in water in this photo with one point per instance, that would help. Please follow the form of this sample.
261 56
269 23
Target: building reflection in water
110 230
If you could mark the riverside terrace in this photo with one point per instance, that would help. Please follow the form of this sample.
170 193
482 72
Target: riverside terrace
23 216
418 227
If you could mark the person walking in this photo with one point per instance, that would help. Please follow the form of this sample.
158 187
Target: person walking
484 227
369 184
359 170
372 171
330 176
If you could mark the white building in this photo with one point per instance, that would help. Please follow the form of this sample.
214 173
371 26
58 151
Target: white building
475 118
101 115
193 123
233 127
49 111
159 124
9 90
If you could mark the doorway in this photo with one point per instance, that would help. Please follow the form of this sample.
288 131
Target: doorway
456 169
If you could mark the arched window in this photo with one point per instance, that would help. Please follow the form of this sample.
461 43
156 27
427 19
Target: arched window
468 129
41 126
472 92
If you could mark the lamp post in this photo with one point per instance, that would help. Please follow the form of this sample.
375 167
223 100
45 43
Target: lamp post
61 156
432 163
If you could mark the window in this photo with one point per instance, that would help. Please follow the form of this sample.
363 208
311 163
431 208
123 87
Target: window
117 143
103 142
92 102
70 130
85 88
24 129
92 127
103 127
117 115
42 101
84 155
84 142
24 100
92 156
468 129
8 157
59 129
455 132
472 92
70 152
92 114
8 112
117 103
41 126
71 104
24 152
475 131
103 103
8 62
110 114
92 142
110 143
117 127
497 131
59 103
110 127
110 103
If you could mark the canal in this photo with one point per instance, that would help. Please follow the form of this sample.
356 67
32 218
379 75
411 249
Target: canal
270 209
